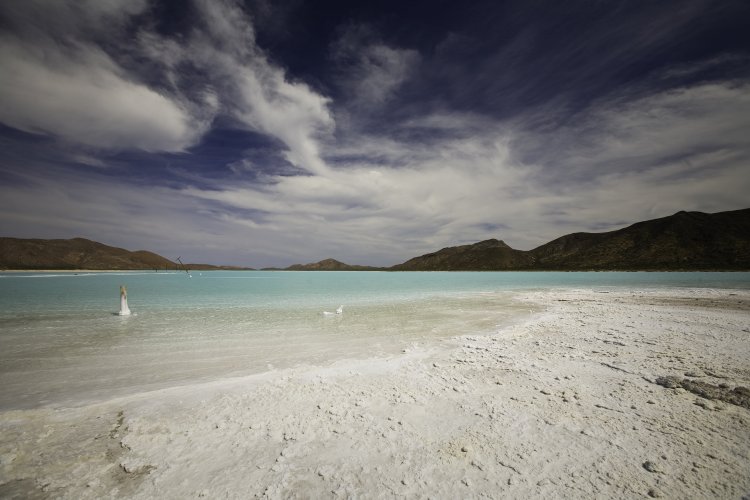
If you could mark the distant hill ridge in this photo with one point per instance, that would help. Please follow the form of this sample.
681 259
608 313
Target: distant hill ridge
684 241
76 253
329 265
80 253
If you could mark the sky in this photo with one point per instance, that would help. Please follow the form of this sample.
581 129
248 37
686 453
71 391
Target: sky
267 133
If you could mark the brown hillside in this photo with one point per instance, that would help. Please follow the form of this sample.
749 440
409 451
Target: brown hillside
489 255
77 253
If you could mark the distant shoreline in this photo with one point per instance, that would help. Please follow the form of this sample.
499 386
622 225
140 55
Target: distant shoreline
75 271
160 271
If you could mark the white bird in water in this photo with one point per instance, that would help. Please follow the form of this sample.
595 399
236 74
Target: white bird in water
340 310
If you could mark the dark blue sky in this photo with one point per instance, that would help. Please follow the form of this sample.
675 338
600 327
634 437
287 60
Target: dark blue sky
268 133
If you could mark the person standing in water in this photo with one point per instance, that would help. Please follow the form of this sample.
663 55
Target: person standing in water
124 309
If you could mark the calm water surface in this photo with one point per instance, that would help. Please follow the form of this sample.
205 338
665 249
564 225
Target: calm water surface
61 343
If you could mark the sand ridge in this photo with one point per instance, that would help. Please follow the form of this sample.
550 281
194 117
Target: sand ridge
563 405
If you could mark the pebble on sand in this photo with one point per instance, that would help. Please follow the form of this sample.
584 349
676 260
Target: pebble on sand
652 467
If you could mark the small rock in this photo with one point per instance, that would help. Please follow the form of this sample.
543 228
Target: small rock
466 448
653 493
651 402
652 467
669 382
545 392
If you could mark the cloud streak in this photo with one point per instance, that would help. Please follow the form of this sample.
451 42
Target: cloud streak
86 99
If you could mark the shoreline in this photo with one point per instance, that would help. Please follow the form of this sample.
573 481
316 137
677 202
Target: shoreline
564 404
98 270
230 269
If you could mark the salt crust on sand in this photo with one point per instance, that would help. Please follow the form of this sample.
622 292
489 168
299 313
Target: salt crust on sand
563 405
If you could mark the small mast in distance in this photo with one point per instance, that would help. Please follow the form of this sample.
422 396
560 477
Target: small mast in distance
124 309
187 271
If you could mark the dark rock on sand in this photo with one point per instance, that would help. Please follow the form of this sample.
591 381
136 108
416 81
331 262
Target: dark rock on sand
739 396
670 382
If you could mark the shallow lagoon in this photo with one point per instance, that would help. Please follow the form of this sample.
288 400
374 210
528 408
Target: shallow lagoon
62 344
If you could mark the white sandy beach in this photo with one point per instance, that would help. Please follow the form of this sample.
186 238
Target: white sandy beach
564 405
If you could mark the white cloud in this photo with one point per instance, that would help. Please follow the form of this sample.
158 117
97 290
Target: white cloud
244 84
266 102
57 80
255 91
79 94
76 91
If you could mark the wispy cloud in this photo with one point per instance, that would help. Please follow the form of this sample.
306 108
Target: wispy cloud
370 70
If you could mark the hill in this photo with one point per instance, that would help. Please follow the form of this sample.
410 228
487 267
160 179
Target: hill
489 255
683 241
77 253
329 265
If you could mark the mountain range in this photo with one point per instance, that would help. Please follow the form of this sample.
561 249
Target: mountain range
683 241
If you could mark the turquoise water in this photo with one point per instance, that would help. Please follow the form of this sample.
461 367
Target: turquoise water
62 344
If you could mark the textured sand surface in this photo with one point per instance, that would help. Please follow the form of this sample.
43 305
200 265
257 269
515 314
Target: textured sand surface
565 405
